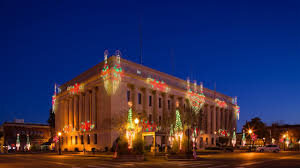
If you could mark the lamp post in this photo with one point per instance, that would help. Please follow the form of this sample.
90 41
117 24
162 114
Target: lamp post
250 133
59 148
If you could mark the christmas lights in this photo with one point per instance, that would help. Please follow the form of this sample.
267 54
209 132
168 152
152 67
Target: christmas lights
86 126
178 123
236 108
253 137
243 139
112 76
224 133
233 139
18 141
54 99
129 119
28 143
76 88
196 100
67 128
55 139
158 85
220 103
178 127
149 126
130 133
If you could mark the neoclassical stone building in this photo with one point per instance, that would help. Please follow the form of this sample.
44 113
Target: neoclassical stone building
101 95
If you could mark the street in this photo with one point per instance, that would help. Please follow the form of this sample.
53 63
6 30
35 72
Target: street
282 159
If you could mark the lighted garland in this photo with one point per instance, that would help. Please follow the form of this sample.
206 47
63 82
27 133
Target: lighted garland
223 133
196 100
236 108
220 103
158 85
148 126
86 126
130 132
67 128
18 141
130 125
27 142
112 76
76 88
54 99
237 111
233 139
178 123
243 139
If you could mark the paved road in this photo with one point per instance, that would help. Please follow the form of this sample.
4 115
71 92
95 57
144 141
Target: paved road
234 160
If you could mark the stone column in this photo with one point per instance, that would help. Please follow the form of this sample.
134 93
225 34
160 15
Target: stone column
65 108
134 98
86 105
94 108
165 108
227 119
222 118
75 112
218 118
213 111
80 106
173 107
99 109
69 111
155 106
208 119
145 112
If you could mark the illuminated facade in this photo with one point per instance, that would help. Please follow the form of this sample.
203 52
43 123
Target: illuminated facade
101 94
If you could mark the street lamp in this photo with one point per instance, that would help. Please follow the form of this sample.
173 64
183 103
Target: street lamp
250 132
59 148
136 121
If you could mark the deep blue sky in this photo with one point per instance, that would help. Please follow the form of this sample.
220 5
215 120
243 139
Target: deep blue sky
251 49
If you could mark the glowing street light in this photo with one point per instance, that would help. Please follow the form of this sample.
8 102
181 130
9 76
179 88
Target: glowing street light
136 121
250 131
59 148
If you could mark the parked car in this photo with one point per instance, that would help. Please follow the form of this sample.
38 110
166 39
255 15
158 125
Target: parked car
268 148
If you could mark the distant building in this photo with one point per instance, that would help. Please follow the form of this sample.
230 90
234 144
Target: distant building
37 133
101 94
283 133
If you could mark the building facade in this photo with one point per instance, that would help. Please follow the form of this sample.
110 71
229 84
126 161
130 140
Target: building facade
37 134
101 95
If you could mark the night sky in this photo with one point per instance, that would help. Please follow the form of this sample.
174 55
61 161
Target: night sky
251 49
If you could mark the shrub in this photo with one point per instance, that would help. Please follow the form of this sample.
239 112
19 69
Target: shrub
138 145
123 146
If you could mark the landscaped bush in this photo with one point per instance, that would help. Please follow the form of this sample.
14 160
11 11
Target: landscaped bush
138 145
123 146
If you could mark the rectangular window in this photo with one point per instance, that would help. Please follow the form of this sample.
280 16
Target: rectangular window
150 100
71 140
212 141
206 141
66 140
76 140
128 95
95 138
82 140
159 120
159 102
169 105
150 118
140 98
88 139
